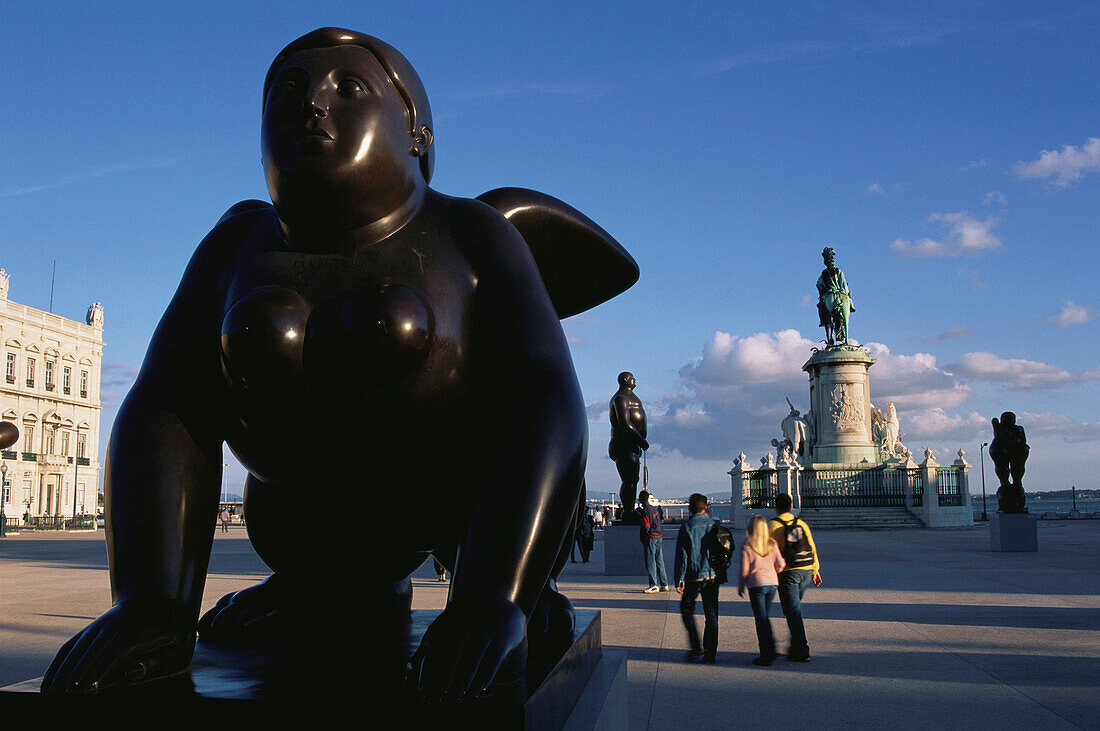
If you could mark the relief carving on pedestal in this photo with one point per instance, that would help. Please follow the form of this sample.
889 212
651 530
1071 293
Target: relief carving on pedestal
846 408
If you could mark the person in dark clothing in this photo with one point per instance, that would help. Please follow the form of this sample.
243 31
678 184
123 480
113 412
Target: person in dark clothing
695 578
650 533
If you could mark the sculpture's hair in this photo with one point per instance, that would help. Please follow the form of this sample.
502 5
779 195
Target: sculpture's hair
757 535
397 68
783 502
697 503
828 251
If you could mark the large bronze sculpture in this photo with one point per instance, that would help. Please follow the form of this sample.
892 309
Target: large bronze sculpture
628 441
1009 450
364 333
834 304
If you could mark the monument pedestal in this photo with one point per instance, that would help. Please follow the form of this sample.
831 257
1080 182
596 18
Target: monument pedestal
840 401
622 551
1013 532
263 684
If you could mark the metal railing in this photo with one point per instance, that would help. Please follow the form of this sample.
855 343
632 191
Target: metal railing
871 488
847 488
84 521
947 487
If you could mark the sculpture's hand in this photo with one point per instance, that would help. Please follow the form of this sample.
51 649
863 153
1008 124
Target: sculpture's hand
472 644
133 642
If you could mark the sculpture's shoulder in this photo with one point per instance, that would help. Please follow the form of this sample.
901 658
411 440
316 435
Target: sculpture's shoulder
239 220
581 264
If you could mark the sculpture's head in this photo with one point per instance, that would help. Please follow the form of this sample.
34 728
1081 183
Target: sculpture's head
347 130
829 255
1008 419
626 378
891 411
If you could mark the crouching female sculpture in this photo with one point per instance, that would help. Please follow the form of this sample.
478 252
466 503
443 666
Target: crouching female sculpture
363 333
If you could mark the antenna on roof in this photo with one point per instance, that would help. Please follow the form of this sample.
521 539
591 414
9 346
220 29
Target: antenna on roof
53 275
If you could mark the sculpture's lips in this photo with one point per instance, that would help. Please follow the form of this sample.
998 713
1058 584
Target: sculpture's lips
312 133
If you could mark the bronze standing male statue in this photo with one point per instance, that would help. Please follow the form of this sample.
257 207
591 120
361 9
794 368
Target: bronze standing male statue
834 304
363 333
1009 451
628 441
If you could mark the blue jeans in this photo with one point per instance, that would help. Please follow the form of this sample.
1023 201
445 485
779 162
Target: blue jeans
792 587
708 590
760 597
655 562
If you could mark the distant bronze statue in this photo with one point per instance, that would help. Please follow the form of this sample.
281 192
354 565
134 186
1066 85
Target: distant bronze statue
834 304
1009 451
628 441
9 434
796 432
364 335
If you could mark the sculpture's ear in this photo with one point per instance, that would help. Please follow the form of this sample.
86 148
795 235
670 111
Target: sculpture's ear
422 141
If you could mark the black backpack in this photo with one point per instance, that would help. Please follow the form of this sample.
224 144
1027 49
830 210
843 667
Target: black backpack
796 549
720 550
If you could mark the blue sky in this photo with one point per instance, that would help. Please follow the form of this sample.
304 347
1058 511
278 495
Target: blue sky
950 155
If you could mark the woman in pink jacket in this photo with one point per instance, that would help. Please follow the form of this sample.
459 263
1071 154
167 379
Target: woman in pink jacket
761 563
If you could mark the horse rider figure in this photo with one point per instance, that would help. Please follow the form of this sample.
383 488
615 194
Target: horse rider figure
834 303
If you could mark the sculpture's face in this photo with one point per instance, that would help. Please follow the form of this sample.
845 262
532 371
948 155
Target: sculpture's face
334 115
830 259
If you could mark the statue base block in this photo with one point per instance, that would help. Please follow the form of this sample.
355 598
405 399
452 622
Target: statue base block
263 684
1013 532
622 551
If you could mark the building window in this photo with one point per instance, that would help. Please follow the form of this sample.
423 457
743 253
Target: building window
49 375
81 441
65 443
30 372
10 371
49 439
27 494
84 384
80 495
66 379
28 438
7 492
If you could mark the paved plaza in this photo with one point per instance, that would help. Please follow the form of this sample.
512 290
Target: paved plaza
912 628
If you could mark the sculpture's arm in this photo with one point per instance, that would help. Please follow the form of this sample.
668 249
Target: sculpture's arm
161 493
623 422
533 416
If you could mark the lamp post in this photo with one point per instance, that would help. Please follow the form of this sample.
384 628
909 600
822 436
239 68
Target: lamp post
76 468
3 488
981 454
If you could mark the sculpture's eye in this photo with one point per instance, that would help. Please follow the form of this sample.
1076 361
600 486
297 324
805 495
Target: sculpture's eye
287 86
351 86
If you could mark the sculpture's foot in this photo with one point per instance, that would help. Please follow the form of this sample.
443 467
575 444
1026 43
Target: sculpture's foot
257 613
552 621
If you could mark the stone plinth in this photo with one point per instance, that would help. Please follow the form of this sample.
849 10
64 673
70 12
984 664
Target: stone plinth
1012 532
622 551
840 401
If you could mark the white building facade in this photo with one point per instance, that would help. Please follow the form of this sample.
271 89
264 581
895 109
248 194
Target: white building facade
50 390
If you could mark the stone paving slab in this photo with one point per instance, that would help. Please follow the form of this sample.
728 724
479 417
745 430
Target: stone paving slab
913 628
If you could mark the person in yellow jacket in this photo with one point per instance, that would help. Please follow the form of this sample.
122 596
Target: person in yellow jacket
797 546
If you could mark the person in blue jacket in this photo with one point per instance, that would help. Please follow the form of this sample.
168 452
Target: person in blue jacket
695 578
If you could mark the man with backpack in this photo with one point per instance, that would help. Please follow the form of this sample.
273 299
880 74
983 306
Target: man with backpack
650 533
798 549
700 543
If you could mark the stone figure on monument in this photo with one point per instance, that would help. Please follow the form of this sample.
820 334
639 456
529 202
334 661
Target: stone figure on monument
359 290
628 441
834 304
885 431
1009 451
796 431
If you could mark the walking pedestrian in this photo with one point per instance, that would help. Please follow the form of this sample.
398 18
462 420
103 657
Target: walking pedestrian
796 544
696 579
761 563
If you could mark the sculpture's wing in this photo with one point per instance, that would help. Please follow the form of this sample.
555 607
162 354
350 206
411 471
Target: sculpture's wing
580 263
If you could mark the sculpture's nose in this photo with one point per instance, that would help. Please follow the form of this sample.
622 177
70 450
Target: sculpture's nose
316 109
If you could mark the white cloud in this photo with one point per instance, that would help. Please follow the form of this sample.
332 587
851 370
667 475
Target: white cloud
912 381
1064 167
875 189
994 196
965 235
952 334
1018 372
1074 314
